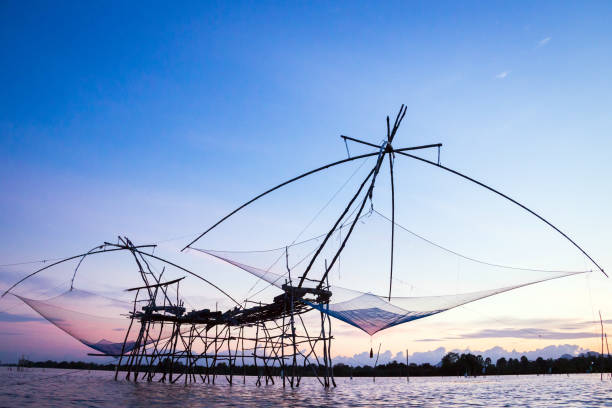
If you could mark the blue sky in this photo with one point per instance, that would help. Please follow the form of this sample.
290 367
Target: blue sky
154 120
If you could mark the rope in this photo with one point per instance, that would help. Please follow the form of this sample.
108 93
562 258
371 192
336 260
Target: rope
474 259
258 251
32 262
64 257
312 220
41 379
303 259
45 378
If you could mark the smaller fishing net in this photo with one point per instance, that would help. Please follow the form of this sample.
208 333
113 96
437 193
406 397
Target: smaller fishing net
96 321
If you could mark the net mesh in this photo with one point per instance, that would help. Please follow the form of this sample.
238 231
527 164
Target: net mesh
96 321
372 313
102 323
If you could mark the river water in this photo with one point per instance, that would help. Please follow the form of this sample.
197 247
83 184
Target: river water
81 388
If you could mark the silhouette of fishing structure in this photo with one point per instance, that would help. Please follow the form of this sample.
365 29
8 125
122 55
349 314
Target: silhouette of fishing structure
166 342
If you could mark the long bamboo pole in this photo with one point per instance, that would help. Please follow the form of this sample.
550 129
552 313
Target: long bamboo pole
308 173
507 198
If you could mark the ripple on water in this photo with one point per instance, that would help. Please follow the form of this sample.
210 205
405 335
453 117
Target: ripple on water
54 388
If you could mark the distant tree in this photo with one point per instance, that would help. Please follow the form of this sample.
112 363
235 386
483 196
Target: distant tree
524 365
449 364
540 364
501 365
480 366
489 368
514 367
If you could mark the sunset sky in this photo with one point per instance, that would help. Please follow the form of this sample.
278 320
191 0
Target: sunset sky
155 122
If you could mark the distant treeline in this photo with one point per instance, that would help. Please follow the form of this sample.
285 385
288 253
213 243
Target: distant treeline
452 364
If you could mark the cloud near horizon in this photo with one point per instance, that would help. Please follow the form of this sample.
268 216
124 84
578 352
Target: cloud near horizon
502 75
435 356
526 333
543 323
544 41
18 318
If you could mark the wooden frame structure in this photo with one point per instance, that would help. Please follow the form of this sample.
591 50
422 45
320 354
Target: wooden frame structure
174 345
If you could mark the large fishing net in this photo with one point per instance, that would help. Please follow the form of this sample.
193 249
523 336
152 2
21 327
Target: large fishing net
102 323
363 267
373 313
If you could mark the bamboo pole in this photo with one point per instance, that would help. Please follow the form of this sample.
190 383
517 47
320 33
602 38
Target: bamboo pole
602 346
407 368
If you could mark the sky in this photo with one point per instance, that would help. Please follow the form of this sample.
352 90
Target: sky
154 120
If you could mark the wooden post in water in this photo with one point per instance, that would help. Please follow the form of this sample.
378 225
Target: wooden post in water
608 349
329 359
283 335
258 382
601 358
407 368
294 382
376 362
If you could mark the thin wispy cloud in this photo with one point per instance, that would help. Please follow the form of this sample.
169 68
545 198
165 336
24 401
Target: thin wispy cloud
551 323
527 333
18 318
502 75
5 333
544 41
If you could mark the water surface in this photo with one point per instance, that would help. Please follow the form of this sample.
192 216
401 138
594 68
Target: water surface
53 388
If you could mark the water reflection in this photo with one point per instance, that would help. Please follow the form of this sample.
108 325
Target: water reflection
52 388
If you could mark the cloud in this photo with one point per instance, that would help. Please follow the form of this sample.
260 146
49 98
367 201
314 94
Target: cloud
552 323
544 41
18 318
527 333
432 357
545 352
435 356
502 75
3 333
591 322
570 330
